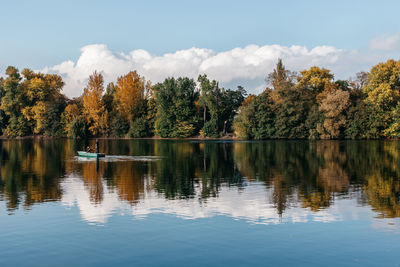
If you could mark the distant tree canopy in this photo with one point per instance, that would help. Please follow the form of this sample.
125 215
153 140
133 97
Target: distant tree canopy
310 104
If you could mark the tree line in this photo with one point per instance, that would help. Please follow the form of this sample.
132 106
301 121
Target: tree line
310 104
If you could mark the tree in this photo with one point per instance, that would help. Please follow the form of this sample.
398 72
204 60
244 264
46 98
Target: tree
12 102
210 95
70 114
130 92
219 106
383 93
291 103
281 80
255 119
383 85
3 118
334 106
93 108
42 103
108 97
316 80
176 111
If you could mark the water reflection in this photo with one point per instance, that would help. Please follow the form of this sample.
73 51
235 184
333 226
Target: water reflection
263 182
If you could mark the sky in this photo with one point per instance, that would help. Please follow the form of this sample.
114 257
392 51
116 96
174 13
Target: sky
235 42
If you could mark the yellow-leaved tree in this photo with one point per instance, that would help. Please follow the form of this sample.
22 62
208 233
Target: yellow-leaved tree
130 92
70 114
93 108
383 94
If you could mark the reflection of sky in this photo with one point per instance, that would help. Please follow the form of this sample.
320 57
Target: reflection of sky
252 203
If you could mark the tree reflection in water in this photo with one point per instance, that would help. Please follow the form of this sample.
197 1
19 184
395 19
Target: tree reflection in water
310 175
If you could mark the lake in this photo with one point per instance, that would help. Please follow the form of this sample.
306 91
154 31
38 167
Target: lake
200 203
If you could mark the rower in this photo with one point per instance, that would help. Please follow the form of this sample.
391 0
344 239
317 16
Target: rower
97 146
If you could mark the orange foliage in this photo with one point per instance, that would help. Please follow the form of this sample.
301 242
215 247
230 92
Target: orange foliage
93 107
129 92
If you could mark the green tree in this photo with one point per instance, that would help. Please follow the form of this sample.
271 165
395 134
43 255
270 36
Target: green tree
219 106
12 103
108 97
255 119
176 111
210 96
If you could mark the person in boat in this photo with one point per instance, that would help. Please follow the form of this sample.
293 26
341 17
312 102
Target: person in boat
88 149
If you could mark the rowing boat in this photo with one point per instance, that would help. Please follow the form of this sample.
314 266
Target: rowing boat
90 154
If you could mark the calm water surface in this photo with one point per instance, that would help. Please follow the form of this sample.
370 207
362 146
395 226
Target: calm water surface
192 203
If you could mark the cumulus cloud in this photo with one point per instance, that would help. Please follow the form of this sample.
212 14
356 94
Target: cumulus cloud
386 43
247 66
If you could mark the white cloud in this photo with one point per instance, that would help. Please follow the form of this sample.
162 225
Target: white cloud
247 66
242 65
386 43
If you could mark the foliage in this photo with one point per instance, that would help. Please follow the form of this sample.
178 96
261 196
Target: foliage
93 108
78 128
32 103
129 94
310 104
334 105
175 100
139 128
256 118
219 106
184 129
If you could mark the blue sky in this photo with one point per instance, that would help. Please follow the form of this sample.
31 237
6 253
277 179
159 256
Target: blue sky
37 34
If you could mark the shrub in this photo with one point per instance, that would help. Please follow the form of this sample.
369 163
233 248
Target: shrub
184 129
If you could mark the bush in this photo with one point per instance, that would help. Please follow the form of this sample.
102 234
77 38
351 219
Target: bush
184 129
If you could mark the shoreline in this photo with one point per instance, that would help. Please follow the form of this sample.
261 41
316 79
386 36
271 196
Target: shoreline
194 138
121 138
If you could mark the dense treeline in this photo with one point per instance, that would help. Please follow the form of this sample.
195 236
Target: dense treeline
305 105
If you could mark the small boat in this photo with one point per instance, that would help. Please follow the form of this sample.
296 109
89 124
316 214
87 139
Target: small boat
91 154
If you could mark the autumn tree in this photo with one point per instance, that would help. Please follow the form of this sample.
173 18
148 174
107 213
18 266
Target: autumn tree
130 102
383 85
70 114
3 118
45 102
93 108
383 93
334 106
130 92
281 81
